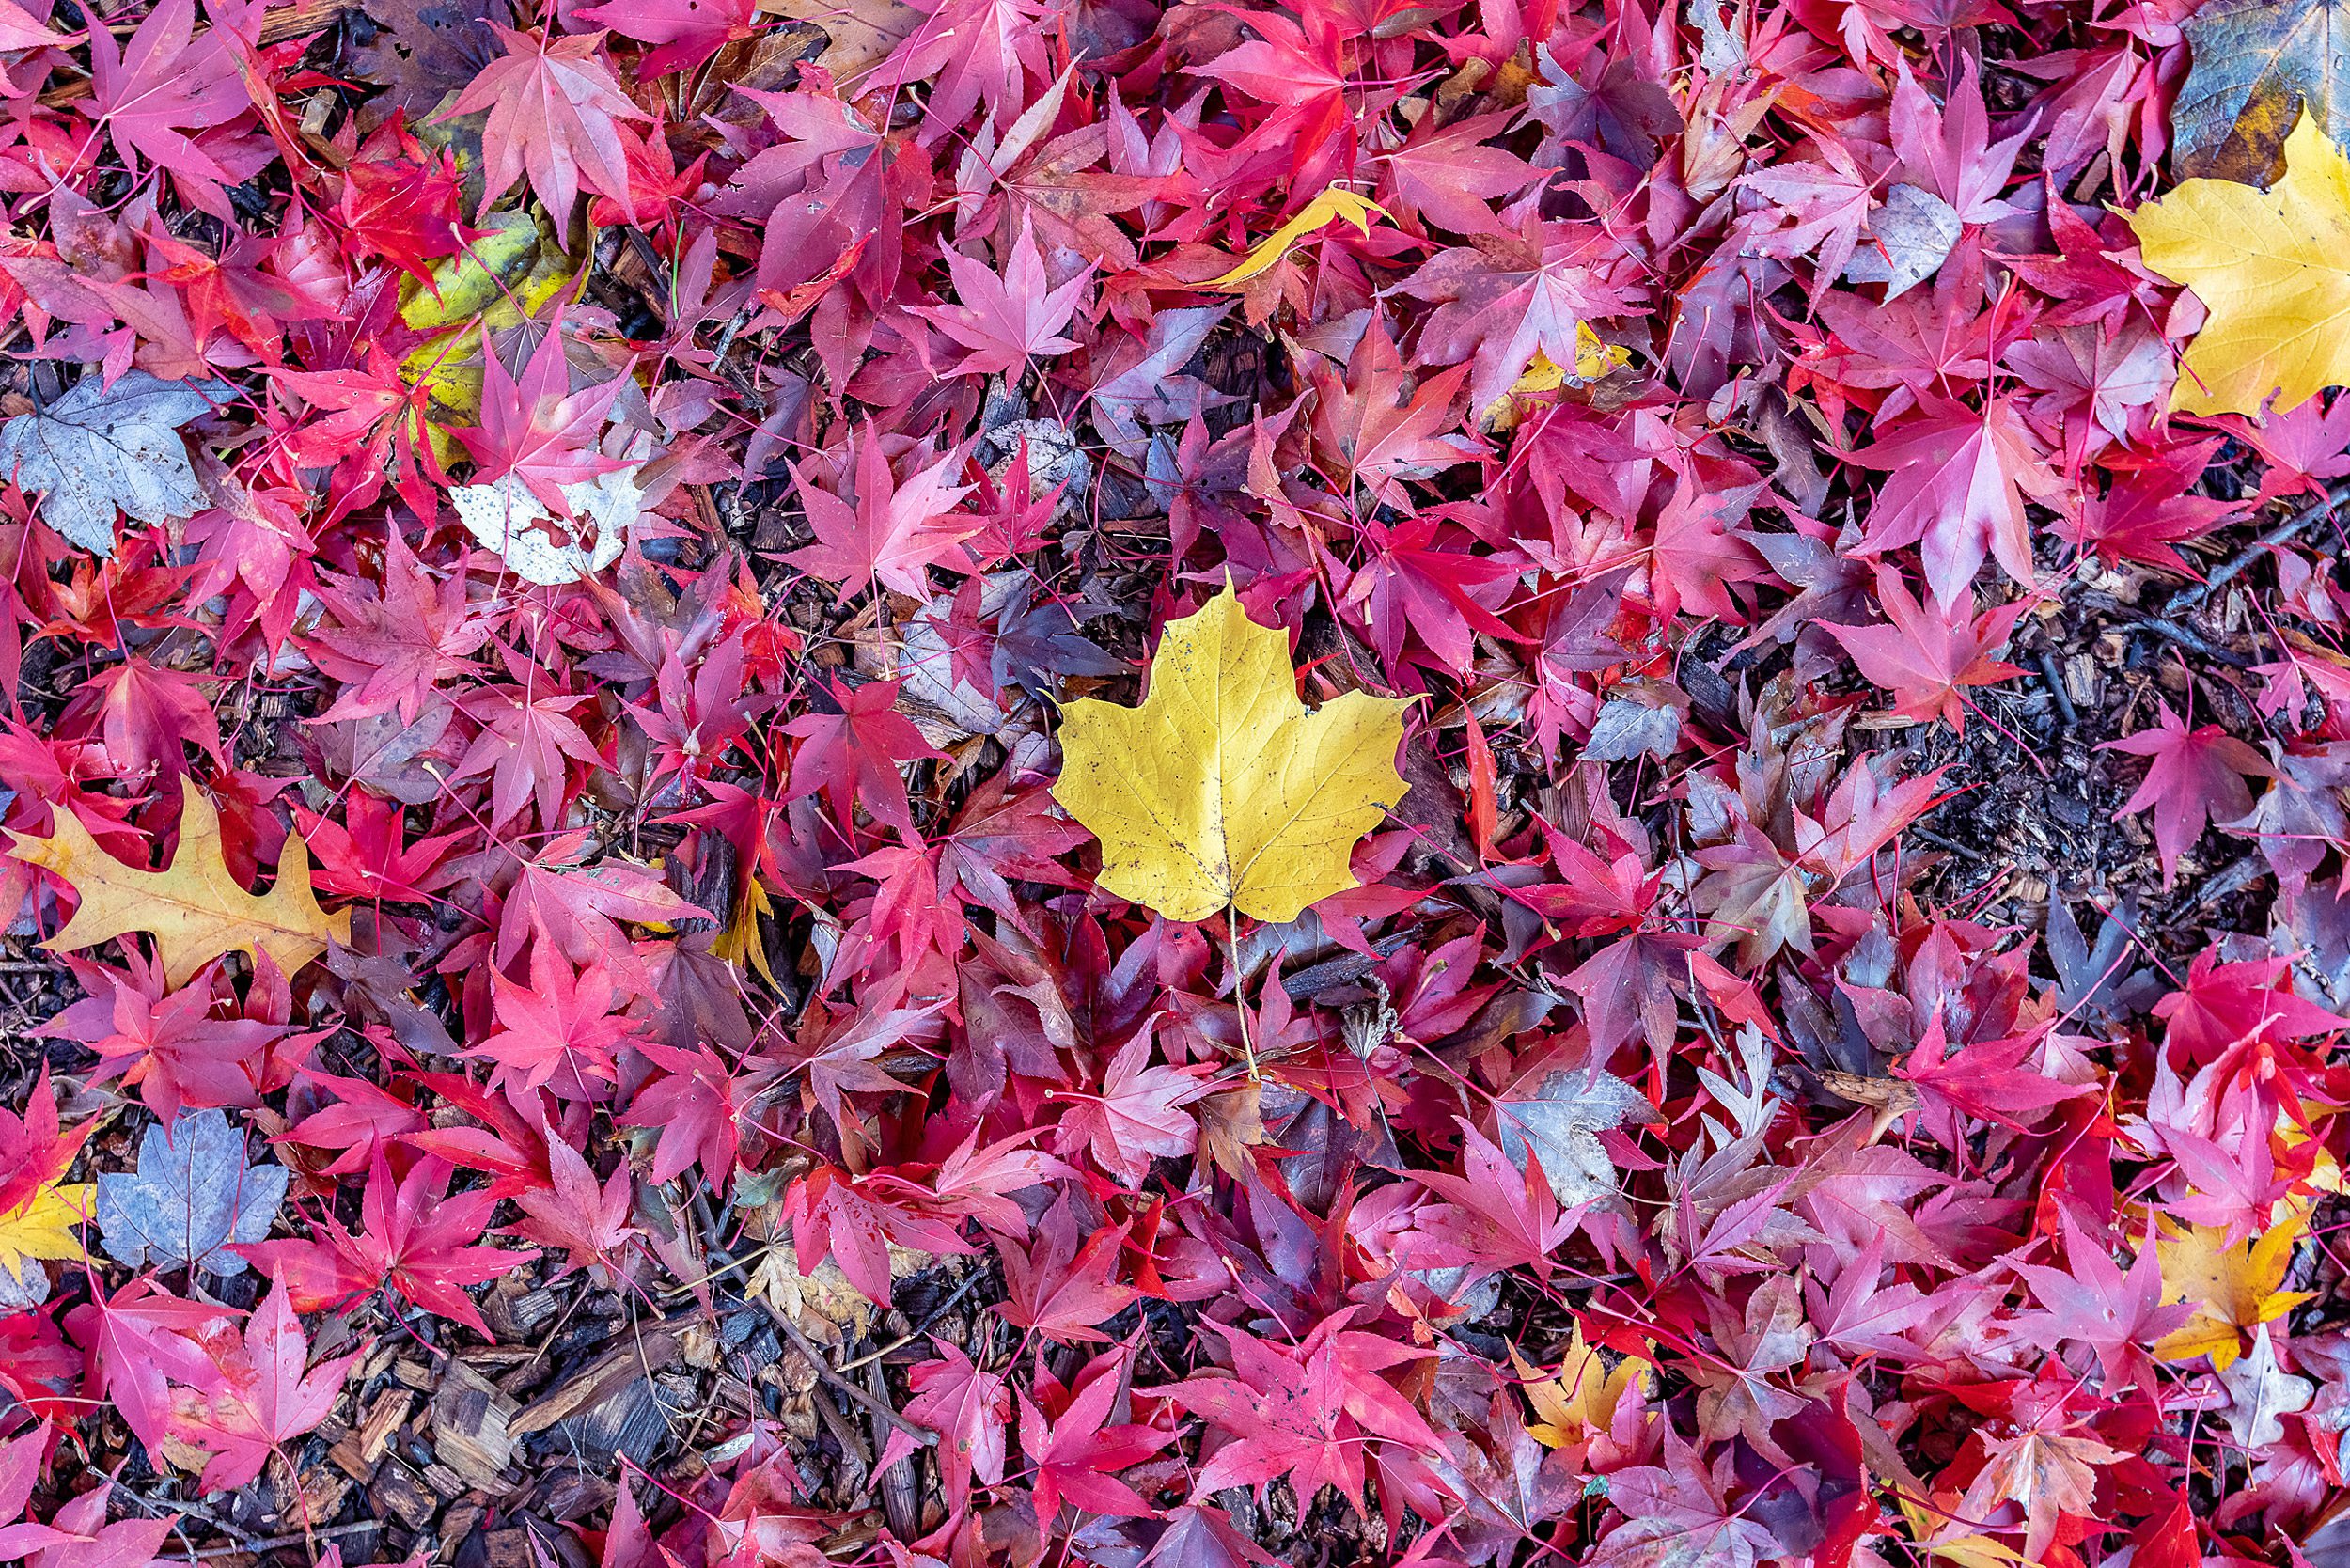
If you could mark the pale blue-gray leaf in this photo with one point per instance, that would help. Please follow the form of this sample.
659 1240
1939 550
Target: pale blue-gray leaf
192 1193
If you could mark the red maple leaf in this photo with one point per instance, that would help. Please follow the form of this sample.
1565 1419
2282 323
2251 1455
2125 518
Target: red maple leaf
551 104
2195 775
1925 655
970 1410
1075 1447
697 1106
852 755
1138 1114
1959 481
260 1398
416 1239
893 533
1070 1283
1303 1411
535 427
685 32
1006 321
590 1223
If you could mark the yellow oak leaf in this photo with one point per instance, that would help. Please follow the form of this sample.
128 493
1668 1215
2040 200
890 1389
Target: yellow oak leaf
2236 1286
2272 267
1222 790
1334 202
196 911
1580 1397
42 1227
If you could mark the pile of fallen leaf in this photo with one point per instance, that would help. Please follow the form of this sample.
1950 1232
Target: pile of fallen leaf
1005 783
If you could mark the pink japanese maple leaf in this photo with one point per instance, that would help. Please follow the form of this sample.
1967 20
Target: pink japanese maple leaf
1374 428
389 648
168 81
697 1106
558 1030
78 1536
1075 1451
1069 1283
1303 1410
1450 174
552 103
970 1410
2115 1314
2196 774
527 737
171 1046
535 427
1138 1114
1006 321
590 1223
1958 483
578 908
416 1239
1680 1513
1927 654
1495 1216
1419 575
893 533
684 32
261 1396
852 755
852 1220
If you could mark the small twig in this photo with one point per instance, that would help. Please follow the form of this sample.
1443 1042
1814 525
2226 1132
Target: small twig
278 1542
2055 678
2234 565
932 1316
800 1342
2138 620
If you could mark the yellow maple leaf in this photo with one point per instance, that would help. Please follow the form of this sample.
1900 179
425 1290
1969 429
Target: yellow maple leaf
1334 202
1580 1397
2272 267
42 1226
2236 1286
1222 792
196 911
1593 358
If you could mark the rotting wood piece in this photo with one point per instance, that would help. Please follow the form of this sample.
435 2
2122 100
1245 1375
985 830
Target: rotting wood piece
473 1426
649 1350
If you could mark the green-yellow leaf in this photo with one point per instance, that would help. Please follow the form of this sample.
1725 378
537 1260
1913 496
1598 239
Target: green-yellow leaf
2272 267
1222 789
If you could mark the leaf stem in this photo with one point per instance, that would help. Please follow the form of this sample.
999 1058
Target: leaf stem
1232 943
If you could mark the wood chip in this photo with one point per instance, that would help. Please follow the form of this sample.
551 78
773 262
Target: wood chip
384 1416
399 1492
600 1380
473 1426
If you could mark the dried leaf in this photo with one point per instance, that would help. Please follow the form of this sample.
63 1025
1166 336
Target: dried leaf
100 447
196 911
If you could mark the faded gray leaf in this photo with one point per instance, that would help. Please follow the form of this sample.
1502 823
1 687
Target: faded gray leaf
1908 239
99 447
1626 729
192 1194
2262 1394
1561 1125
